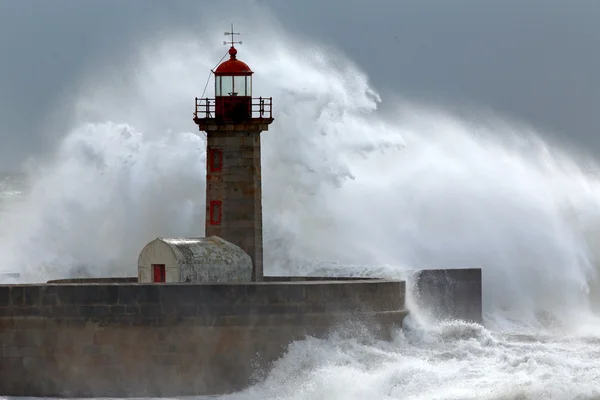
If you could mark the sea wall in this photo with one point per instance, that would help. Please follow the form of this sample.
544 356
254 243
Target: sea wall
449 293
129 339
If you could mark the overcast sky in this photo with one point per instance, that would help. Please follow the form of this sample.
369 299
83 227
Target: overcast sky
535 60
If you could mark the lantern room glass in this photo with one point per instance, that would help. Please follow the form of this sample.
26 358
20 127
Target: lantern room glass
233 86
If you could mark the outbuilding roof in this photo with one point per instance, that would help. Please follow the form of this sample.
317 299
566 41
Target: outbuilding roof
196 250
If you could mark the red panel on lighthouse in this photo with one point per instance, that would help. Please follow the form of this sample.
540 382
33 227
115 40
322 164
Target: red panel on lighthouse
215 212
215 160
158 270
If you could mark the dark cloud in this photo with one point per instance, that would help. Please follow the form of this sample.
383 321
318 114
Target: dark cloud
535 60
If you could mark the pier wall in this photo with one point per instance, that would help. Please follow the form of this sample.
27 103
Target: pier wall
449 293
153 340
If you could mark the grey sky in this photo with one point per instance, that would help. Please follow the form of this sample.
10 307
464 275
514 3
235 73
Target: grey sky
536 61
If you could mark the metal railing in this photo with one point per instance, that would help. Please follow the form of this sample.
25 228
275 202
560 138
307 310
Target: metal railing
260 107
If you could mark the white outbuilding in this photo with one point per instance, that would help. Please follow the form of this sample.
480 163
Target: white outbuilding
194 260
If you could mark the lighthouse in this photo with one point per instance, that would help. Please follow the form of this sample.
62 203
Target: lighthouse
233 121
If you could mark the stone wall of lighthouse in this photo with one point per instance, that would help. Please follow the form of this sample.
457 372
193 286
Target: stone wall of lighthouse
233 191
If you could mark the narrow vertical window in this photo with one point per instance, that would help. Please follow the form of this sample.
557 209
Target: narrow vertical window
217 86
239 85
159 273
215 212
215 160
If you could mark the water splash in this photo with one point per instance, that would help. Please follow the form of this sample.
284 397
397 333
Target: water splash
454 360
343 181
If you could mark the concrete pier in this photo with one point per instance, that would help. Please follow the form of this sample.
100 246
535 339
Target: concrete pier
153 340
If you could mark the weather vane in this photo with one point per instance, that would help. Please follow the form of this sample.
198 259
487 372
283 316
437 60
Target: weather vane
232 33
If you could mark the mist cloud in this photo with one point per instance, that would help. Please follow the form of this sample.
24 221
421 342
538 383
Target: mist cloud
533 61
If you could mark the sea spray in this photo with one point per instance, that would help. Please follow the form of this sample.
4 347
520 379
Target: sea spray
343 181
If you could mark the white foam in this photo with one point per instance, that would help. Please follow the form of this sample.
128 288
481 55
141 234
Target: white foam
451 361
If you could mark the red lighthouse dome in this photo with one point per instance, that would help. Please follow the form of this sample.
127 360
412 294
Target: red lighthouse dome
233 66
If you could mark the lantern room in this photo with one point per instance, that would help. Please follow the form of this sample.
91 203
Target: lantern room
233 89
233 104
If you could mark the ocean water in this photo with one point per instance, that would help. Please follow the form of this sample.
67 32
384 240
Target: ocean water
353 184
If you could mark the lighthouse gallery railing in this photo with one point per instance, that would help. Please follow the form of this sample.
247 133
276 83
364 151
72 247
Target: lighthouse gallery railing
261 107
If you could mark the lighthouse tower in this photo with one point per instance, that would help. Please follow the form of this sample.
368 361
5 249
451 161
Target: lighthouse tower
233 121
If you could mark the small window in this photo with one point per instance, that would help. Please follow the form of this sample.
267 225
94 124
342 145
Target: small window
159 273
215 160
217 86
215 212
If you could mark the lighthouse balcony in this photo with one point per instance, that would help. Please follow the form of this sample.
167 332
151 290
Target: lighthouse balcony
234 113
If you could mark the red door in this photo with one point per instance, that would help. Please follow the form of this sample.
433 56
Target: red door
158 272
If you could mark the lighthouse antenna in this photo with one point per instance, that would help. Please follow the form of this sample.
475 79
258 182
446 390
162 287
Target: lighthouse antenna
232 33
